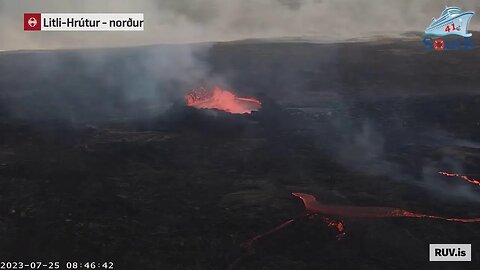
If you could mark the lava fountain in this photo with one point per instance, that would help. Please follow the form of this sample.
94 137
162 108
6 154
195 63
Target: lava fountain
464 177
220 99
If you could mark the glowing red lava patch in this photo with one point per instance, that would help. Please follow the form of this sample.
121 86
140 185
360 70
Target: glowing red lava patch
472 181
221 99
315 207
329 214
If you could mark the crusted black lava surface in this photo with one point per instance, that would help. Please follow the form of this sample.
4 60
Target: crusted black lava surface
354 124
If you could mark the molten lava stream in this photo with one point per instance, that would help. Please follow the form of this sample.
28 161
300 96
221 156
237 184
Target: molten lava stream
313 206
472 181
221 99
329 213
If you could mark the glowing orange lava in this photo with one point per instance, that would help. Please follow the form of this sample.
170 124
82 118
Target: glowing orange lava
472 181
329 214
315 207
221 99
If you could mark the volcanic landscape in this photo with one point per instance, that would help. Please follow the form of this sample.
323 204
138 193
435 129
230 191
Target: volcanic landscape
97 166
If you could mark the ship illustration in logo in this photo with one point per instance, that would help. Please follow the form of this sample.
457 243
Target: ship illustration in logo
452 21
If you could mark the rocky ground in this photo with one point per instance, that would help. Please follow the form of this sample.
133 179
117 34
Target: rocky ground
366 124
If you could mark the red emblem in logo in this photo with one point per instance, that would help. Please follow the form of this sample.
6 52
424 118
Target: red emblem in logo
32 21
439 45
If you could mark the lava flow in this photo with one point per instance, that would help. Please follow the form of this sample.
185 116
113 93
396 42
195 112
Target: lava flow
472 181
221 99
315 207
329 214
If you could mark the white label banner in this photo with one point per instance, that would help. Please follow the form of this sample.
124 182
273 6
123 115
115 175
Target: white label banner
92 22
450 252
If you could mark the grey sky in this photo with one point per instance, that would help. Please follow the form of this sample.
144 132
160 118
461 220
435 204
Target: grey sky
180 21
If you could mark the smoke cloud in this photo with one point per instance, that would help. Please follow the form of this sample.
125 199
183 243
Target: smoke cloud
97 85
184 21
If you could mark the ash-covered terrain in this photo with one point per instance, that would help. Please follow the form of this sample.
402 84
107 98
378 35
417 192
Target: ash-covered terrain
101 160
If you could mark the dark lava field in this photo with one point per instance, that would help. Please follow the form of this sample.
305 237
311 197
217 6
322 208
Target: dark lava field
101 160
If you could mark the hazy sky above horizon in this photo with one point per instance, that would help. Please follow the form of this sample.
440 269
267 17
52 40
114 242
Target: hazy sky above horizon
183 21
